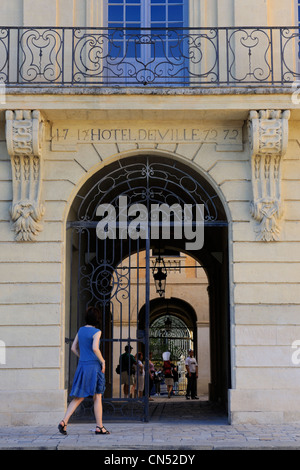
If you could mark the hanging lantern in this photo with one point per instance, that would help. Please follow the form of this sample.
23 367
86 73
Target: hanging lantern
160 276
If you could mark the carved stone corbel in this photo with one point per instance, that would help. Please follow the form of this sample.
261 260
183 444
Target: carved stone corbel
24 136
268 135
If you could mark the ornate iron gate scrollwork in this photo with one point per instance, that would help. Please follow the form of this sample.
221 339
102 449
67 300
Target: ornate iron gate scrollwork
114 274
170 333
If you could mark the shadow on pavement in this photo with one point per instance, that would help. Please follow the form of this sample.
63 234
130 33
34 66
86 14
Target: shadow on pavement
180 409
161 409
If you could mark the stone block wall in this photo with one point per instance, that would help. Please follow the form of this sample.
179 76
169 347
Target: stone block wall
264 277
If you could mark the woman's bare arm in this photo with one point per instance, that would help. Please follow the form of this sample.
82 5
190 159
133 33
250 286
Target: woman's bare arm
75 346
96 350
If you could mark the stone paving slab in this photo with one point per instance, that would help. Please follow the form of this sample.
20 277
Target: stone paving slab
174 426
152 436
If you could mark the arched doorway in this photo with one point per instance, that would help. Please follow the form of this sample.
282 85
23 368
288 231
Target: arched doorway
172 330
110 266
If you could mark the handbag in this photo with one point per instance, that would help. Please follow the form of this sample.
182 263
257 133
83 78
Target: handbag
118 369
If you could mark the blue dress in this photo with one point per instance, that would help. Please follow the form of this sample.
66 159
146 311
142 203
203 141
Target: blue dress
89 378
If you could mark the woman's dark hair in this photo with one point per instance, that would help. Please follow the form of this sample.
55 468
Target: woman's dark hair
92 316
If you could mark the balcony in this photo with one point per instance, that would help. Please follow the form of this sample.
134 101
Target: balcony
145 58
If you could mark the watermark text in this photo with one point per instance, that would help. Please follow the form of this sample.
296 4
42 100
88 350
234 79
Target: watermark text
138 221
2 353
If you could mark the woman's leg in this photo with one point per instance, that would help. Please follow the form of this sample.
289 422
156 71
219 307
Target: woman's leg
70 410
98 409
99 412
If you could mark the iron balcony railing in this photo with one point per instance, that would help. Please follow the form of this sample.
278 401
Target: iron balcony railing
101 57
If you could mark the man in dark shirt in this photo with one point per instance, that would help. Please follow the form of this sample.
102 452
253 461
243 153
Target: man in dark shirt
127 363
192 375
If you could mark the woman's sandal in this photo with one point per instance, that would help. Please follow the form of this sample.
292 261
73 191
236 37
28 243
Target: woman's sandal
61 428
101 430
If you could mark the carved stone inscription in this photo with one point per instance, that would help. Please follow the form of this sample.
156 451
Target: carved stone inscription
226 137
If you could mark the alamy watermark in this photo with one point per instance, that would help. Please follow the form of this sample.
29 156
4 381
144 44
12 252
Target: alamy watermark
137 221
2 93
296 353
296 92
2 353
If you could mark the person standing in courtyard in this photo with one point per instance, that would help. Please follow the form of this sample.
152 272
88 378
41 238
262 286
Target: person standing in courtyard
157 381
151 375
192 375
168 368
89 379
127 364
139 376
175 379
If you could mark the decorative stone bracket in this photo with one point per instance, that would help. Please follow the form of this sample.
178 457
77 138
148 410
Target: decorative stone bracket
24 136
268 135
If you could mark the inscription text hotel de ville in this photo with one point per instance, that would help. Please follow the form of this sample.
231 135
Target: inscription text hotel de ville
165 102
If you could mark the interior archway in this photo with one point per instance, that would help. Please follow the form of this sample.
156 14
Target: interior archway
114 275
173 328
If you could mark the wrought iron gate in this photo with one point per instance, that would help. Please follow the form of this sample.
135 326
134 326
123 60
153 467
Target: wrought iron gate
118 287
170 333
114 273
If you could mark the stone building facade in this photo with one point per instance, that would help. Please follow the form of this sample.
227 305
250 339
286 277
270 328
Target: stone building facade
233 128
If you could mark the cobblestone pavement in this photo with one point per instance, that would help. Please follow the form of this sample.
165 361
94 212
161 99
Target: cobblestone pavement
174 425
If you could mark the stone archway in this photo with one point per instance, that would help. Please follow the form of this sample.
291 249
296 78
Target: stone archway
101 271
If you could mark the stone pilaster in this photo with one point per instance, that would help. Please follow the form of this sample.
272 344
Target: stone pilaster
24 136
268 135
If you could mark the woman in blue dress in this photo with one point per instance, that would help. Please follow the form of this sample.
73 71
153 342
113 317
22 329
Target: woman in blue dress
89 379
